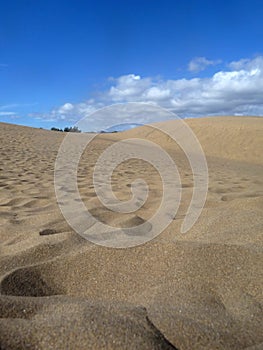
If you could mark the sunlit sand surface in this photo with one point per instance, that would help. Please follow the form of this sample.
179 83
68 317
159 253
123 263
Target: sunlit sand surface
197 290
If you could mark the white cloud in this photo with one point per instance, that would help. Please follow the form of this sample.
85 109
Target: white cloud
128 86
237 65
66 108
236 91
157 93
7 106
6 113
199 64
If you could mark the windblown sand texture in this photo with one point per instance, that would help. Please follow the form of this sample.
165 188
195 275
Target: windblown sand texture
198 290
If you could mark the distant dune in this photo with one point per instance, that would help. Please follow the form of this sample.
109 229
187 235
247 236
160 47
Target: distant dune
198 290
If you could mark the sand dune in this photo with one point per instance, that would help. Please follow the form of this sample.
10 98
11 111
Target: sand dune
198 290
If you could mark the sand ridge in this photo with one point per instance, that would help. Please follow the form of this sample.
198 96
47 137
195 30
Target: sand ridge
199 290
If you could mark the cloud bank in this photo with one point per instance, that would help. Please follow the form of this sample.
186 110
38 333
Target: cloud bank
237 90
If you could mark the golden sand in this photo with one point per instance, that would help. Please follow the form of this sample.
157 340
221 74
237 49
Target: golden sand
198 290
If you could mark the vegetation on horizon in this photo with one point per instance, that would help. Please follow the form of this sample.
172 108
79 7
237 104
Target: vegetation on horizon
67 129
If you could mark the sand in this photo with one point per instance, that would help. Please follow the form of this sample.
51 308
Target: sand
197 290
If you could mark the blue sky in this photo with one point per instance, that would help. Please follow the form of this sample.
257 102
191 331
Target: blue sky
62 60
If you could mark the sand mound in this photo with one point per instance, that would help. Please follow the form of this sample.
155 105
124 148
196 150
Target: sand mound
75 323
199 290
